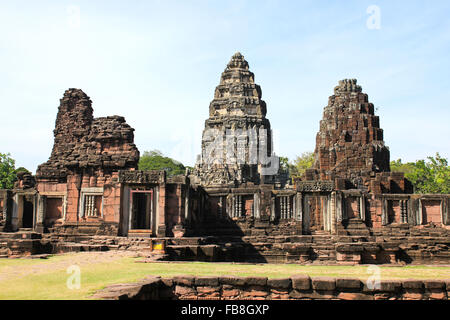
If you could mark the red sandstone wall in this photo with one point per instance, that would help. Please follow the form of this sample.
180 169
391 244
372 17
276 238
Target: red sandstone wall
431 210
259 288
394 211
375 210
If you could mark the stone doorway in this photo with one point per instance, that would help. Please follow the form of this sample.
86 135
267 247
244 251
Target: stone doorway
316 213
141 211
27 218
53 212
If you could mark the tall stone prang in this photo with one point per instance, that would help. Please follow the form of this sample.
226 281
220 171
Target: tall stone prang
84 142
237 139
349 144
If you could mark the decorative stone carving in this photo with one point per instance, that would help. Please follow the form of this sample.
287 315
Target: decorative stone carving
141 177
315 185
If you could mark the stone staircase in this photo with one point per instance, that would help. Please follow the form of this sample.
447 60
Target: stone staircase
353 227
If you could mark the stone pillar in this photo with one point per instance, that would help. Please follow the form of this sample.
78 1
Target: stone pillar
15 212
339 213
445 211
333 212
161 231
40 213
412 204
299 207
384 212
324 207
256 205
186 203
179 194
230 205
420 213
289 209
362 207
8 210
272 208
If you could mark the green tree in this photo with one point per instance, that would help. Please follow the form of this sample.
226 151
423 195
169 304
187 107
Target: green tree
284 164
427 176
407 168
155 160
22 169
7 171
301 163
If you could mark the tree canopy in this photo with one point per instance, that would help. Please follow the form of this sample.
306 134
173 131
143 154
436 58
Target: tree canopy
298 167
155 160
427 176
7 171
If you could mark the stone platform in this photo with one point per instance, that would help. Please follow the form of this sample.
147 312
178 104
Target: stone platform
384 247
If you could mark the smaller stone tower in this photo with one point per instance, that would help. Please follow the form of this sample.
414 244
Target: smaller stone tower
349 145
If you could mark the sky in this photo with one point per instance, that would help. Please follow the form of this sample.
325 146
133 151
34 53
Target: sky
157 63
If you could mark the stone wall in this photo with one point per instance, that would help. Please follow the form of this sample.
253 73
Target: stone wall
299 287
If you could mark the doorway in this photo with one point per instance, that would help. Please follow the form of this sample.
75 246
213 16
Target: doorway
141 215
27 218
53 211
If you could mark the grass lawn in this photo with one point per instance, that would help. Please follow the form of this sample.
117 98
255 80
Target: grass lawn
46 278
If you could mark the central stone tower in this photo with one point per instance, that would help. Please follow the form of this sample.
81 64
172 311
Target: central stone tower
237 139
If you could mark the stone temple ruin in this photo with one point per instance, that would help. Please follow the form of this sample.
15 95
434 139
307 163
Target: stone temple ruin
236 204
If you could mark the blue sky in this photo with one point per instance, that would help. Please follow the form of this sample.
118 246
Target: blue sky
157 63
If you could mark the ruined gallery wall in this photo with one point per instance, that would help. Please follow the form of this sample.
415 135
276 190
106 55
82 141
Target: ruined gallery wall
81 173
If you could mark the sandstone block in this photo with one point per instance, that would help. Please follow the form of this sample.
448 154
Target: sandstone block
323 283
282 283
348 283
301 282
207 281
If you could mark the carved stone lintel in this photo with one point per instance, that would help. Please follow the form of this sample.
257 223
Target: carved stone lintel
315 185
141 177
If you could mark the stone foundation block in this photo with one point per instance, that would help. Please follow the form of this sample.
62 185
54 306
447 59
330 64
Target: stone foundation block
301 282
348 284
207 281
282 283
323 283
